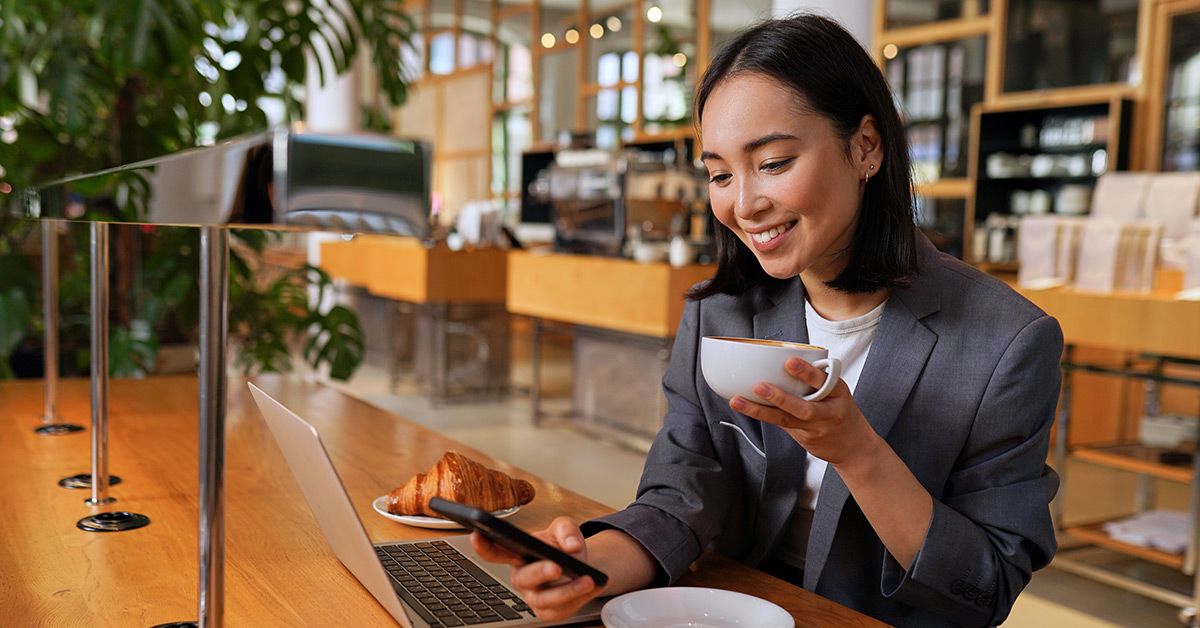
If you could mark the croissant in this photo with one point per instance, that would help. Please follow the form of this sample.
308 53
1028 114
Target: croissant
458 478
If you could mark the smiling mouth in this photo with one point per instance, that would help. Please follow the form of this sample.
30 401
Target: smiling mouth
765 237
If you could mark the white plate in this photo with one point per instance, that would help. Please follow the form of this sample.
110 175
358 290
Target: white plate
420 521
692 607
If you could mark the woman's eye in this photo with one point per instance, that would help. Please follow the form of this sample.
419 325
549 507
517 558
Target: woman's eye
719 178
776 165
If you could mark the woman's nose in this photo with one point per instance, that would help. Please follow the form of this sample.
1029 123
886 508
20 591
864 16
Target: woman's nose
750 199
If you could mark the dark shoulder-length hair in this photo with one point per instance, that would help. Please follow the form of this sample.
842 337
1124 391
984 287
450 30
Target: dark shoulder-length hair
834 77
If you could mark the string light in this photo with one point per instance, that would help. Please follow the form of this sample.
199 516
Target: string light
572 36
548 40
890 51
614 24
596 31
654 14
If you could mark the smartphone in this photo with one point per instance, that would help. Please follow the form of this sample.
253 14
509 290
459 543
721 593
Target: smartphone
515 539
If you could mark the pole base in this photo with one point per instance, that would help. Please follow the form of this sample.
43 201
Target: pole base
84 480
58 429
112 522
178 624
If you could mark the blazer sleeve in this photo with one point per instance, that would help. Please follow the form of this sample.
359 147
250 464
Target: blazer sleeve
682 498
991 528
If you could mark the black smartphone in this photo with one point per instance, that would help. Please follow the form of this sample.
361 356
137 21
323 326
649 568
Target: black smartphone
514 539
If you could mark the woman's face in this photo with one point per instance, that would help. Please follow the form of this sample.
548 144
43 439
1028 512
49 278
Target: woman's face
781 179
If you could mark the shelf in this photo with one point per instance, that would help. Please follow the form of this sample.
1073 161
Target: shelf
1087 178
1014 148
997 267
945 188
1094 533
1136 458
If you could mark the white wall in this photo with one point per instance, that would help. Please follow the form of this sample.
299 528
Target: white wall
855 15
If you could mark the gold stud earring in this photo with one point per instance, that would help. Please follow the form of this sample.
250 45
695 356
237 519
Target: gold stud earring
867 176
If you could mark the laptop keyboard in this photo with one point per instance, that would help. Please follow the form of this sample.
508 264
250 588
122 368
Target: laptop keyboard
447 589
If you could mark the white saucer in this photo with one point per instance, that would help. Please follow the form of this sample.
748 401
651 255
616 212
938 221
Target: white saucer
693 607
420 521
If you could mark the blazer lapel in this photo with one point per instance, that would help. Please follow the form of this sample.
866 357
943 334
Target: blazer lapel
784 320
901 347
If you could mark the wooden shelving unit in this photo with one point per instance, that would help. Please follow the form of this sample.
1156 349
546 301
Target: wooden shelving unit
1094 534
1136 458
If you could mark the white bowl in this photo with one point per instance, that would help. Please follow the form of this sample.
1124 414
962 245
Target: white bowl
693 607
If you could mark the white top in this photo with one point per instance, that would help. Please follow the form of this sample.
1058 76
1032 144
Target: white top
850 342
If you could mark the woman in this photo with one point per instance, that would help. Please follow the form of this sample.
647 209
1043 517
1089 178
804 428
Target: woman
917 491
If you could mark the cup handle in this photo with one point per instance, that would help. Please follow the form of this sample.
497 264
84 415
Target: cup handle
833 376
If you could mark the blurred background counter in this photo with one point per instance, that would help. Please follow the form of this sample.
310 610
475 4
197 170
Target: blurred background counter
446 309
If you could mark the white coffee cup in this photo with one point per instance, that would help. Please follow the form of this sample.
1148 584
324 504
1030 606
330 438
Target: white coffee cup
734 366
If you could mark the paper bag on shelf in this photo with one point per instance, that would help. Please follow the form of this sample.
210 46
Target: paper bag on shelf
1120 195
1096 270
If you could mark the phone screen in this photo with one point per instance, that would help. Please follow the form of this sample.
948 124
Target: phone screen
514 539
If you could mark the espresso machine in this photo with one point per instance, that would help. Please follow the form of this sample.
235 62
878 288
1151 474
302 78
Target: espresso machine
600 201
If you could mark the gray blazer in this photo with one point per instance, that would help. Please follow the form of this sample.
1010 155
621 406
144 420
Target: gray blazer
962 380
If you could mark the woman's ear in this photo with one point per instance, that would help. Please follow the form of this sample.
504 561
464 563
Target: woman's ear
867 145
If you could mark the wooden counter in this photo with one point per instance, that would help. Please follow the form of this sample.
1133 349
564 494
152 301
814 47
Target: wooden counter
405 270
1155 323
278 570
606 292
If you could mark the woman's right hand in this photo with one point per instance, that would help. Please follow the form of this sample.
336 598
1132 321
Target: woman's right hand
541 583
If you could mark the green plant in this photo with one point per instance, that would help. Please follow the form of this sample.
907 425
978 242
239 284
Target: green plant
90 84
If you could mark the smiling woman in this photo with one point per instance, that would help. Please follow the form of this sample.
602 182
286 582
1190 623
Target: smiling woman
916 490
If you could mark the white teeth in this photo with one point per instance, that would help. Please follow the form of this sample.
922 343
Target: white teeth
768 235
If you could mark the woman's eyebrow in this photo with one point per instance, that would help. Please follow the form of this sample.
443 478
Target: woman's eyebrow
752 145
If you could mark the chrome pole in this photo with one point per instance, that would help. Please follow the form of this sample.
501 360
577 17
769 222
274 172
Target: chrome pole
99 251
50 419
214 300
99 479
50 311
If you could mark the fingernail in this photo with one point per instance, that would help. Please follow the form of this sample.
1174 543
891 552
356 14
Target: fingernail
762 390
737 403
548 570
794 364
582 584
572 543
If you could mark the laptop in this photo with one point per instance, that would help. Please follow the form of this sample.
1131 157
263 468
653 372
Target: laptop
430 583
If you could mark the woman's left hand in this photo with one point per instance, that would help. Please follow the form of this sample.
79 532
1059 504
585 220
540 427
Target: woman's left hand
832 429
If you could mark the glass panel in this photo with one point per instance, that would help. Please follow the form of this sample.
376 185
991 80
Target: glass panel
603 117
1061 43
727 18
670 64
606 46
935 86
441 14
1181 135
902 13
942 220
514 75
558 94
412 58
475 45
512 134
441 53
